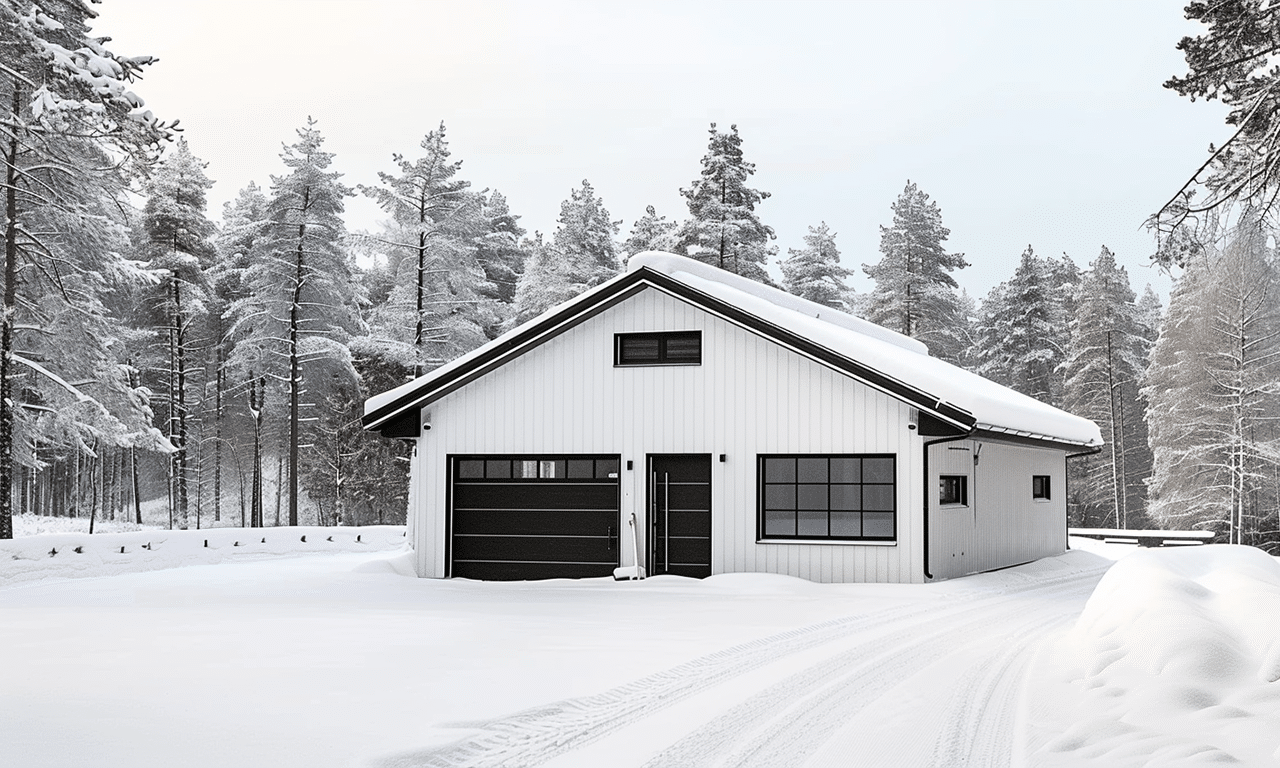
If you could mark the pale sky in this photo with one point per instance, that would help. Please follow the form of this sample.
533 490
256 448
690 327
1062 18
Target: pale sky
1038 123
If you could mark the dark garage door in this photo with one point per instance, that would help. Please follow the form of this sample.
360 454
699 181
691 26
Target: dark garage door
534 517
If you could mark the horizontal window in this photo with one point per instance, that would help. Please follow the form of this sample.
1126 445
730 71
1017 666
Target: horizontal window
953 489
847 497
536 467
1040 486
667 348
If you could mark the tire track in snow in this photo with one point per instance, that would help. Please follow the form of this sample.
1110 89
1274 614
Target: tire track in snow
533 736
789 721
979 725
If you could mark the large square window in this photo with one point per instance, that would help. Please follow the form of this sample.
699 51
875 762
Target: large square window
848 497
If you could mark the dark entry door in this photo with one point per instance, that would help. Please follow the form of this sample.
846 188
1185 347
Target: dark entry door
680 515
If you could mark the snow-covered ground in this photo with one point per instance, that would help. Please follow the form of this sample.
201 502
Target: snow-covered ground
340 660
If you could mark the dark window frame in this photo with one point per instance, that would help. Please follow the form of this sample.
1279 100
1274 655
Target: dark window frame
663 338
491 469
764 483
959 487
1041 491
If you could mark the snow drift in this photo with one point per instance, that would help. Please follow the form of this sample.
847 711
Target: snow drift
1176 661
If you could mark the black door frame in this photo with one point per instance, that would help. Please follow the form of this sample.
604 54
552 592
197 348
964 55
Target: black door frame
651 484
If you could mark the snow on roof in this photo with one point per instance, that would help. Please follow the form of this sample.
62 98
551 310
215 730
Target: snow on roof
996 407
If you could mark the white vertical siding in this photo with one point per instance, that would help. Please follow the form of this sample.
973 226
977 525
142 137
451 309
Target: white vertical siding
1001 525
749 396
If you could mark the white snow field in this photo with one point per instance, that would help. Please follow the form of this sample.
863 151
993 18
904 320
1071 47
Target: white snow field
342 660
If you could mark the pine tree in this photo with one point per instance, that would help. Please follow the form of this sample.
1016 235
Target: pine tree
293 322
652 232
178 246
434 221
915 293
723 228
582 254
1213 395
814 272
71 129
1104 367
499 254
1022 334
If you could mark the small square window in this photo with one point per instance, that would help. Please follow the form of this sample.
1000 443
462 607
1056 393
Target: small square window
1040 486
953 489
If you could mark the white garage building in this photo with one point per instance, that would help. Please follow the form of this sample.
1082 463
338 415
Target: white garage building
703 423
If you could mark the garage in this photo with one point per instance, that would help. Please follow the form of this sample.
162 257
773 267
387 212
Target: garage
516 517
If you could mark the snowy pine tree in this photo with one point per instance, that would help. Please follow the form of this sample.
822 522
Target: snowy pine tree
915 293
71 129
814 272
499 254
1104 367
1213 395
179 247
582 254
435 219
652 232
723 228
1022 334
298 308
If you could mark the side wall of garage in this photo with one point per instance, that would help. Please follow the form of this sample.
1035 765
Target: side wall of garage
749 396
1001 523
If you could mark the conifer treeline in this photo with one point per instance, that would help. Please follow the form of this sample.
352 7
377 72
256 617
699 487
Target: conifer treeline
151 355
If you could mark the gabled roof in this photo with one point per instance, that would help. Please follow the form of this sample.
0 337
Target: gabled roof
888 361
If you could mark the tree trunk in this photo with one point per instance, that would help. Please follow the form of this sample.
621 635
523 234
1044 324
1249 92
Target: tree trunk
217 428
178 400
295 373
7 312
137 491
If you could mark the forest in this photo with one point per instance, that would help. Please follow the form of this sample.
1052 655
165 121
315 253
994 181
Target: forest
161 364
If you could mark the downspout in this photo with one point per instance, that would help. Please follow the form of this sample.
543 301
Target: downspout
927 445
1066 490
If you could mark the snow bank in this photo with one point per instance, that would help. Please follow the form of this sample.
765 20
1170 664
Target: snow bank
1176 661
76 555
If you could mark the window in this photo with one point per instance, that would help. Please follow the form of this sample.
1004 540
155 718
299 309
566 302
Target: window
669 348
536 468
1040 487
838 497
953 489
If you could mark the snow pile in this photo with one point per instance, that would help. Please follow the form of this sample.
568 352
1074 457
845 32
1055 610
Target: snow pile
35 525
77 555
1175 661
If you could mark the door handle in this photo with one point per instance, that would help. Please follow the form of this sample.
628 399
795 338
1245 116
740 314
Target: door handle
666 522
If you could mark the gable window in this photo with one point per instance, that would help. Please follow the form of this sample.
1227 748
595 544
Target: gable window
953 489
1040 487
849 497
666 348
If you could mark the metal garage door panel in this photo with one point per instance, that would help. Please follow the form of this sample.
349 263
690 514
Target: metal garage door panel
512 528
536 495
